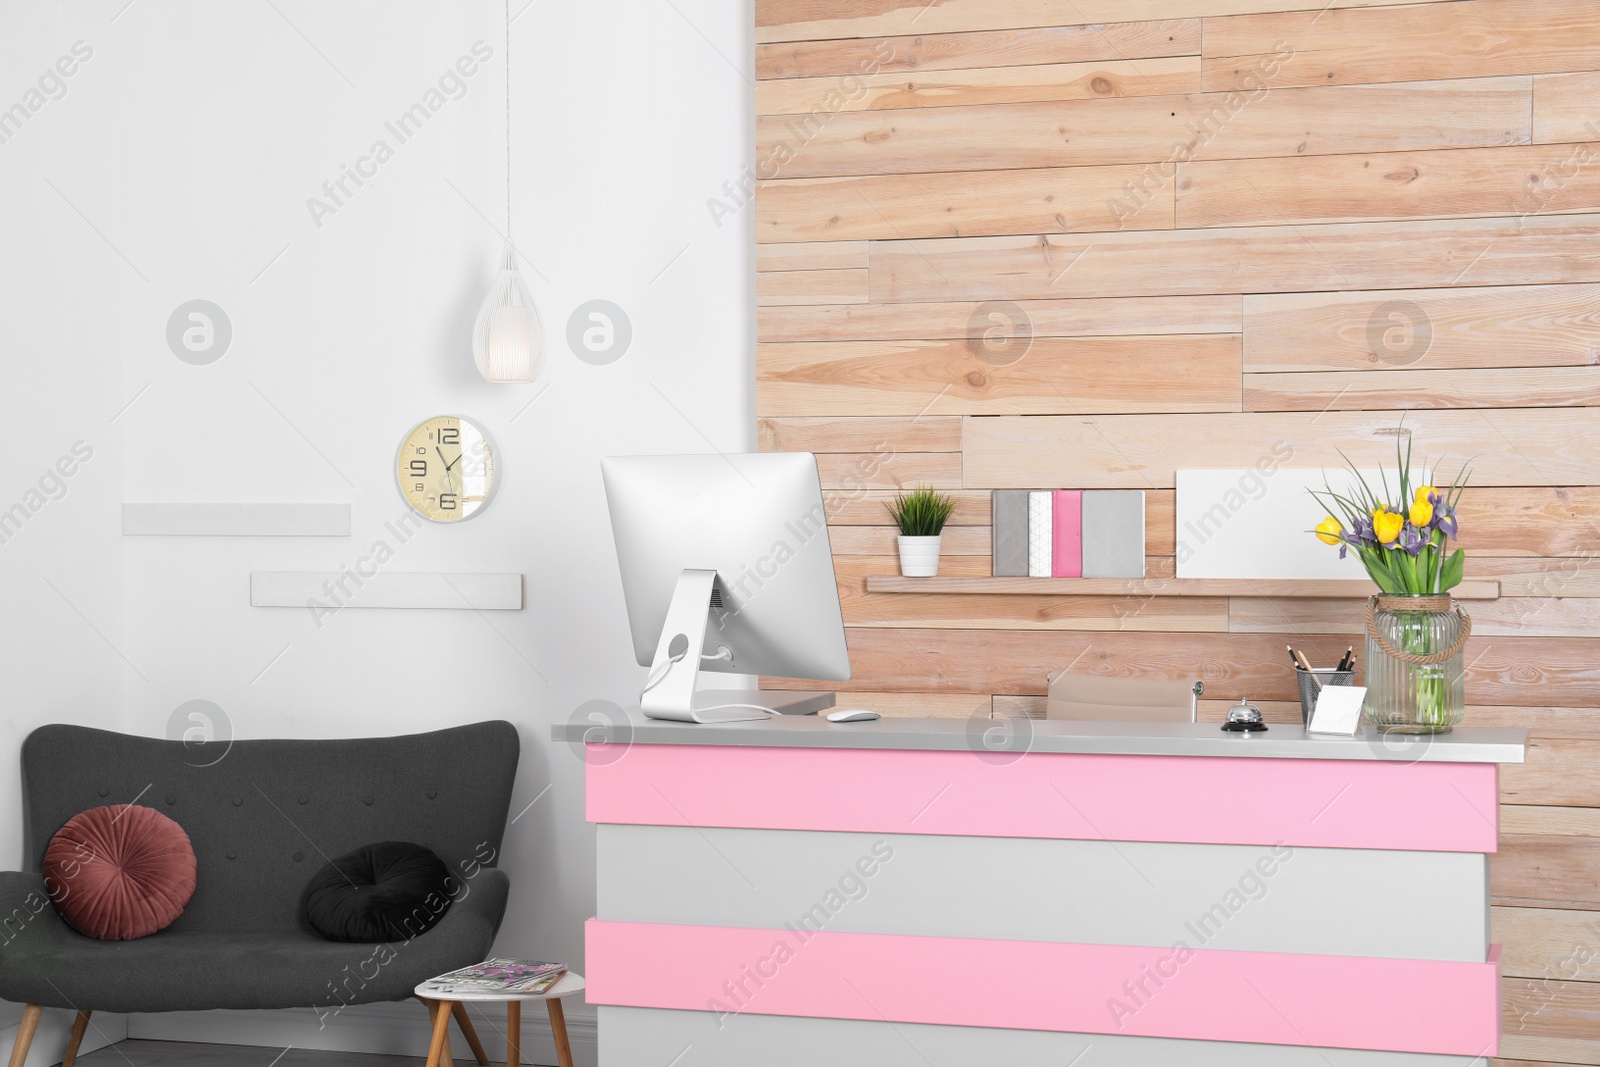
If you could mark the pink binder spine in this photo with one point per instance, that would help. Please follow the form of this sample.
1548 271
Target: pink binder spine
1067 526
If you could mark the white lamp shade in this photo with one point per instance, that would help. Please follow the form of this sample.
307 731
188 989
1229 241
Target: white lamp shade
507 338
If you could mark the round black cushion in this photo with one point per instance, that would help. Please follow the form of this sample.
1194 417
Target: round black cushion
391 891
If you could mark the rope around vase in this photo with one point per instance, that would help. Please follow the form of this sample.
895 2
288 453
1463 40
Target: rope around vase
1431 603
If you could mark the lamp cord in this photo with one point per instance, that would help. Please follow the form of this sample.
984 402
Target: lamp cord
508 120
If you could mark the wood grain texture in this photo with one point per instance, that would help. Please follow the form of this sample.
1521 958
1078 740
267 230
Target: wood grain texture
1553 447
1558 822
898 206
1158 130
1576 576
891 470
1424 329
972 508
1469 39
811 287
1511 180
805 20
1013 376
1505 617
1558 771
1525 521
1546 943
898 53
1400 390
1015 663
889 90
812 255
1543 722
881 541
1564 107
1550 1020
1142 316
931 433
1249 259
1546 872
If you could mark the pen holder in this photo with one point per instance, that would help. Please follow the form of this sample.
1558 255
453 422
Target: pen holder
1311 683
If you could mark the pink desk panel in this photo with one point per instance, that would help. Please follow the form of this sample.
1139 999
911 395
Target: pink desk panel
1419 1006
1428 807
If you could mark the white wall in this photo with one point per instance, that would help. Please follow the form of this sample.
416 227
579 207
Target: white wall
192 141
61 573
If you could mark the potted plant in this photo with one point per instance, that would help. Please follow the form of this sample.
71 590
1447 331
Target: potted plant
1415 632
920 515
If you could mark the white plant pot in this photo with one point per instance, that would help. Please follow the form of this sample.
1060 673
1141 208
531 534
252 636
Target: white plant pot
919 556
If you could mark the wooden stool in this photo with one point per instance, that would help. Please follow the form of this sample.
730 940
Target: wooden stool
444 1006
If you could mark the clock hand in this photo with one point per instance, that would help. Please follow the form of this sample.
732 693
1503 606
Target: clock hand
448 481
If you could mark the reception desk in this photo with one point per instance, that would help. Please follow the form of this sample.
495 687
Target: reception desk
926 892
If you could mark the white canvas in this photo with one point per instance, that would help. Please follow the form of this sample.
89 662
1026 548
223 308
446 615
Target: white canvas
1041 529
1257 523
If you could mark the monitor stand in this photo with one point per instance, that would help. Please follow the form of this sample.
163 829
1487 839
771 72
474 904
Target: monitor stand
676 667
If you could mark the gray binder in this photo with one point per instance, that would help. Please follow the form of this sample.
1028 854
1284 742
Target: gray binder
1010 533
1113 533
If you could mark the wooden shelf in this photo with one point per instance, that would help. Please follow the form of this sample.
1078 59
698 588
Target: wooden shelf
1263 587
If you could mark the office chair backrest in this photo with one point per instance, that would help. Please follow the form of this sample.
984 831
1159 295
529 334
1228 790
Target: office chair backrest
1095 697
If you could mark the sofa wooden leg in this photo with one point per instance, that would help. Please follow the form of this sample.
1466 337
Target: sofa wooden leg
25 1029
79 1025
459 1010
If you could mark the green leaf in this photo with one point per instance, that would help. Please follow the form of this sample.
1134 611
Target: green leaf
921 512
1380 574
1454 567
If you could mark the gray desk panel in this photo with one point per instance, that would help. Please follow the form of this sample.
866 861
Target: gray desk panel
649 1037
1314 900
1463 745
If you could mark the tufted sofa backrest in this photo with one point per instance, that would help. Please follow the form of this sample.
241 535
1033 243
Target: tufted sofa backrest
264 816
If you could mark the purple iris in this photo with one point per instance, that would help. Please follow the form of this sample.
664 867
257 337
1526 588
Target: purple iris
1411 539
1444 516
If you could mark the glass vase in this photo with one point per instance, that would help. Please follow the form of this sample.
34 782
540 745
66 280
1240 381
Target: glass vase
1415 673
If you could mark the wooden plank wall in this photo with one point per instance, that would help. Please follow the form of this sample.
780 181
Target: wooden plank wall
1000 251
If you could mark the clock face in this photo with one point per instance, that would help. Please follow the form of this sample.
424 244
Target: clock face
446 469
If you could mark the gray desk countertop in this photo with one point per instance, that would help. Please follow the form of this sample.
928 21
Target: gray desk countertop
996 736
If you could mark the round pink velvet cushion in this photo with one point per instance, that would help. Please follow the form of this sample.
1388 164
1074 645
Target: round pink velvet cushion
120 872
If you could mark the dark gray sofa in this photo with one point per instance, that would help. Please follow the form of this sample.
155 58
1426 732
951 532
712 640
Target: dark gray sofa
263 816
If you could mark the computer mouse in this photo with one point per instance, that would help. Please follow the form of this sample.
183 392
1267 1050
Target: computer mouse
852 715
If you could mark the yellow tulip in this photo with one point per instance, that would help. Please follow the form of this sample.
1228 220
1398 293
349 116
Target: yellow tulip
1386 526
1328 531
1421 512
1423 491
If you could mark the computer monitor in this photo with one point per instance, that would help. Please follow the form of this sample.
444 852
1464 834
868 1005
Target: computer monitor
726 567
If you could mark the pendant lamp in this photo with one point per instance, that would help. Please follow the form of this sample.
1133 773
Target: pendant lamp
507 338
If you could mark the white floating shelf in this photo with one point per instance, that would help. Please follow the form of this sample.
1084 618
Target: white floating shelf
236 520
386 589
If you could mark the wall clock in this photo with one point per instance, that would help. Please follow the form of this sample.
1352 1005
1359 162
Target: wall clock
448 468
